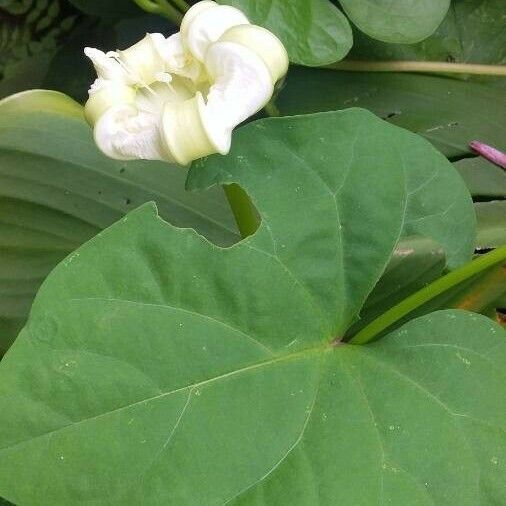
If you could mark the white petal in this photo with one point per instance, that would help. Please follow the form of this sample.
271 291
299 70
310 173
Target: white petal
143 61
106 66
184 133
178 60
264 43
125 133
192 13
104 95
242 86
208 25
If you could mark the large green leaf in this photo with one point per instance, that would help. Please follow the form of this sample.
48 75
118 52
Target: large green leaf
450 113
315 32
399 21
58 191
158 368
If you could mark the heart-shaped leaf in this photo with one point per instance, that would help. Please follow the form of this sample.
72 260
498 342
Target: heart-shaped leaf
399 21
158 368
315 32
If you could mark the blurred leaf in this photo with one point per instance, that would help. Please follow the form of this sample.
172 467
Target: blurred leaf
448 112
130 30
483 178
89 32
482 292
29 40
399 21
108 8
315 32
473 31
491 224
26 74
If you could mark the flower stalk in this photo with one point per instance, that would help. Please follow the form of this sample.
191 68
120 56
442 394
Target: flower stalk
428 293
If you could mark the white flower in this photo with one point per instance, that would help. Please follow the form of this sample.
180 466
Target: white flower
180 98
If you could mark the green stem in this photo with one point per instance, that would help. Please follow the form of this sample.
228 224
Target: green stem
427 293
243 209
271 109
181 5
420 66
161 7
244 212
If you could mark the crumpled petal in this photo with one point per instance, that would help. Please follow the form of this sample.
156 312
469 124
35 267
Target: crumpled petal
126 133
242 86
208 25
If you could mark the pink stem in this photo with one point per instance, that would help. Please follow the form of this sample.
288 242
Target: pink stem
490 153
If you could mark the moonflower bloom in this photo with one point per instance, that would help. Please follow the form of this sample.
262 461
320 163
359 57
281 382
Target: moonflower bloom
179 99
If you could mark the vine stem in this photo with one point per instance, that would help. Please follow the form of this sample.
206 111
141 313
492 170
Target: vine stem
419 66
441 285
161 7
243 210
